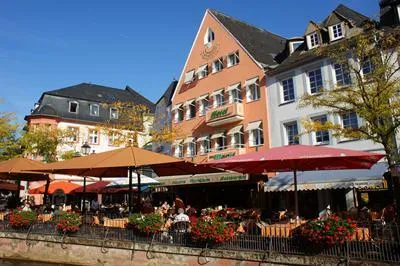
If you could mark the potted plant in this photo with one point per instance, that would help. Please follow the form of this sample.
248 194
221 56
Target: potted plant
145 223
68 222
330 231
22 219
211 230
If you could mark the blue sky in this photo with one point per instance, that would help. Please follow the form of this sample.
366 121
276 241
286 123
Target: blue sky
46 45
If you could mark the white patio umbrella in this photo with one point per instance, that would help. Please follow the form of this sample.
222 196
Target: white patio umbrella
122 182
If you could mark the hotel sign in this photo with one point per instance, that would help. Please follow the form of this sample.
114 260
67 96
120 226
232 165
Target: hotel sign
219 156
219 113
201 179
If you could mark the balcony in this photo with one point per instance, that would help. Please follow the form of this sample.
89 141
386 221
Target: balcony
229 152
224 114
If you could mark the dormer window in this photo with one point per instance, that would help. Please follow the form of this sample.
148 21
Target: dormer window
294 45
209 36
336 32
94 109
113 113
73 107
313 40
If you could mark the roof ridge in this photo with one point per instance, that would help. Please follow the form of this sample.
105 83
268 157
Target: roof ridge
246 23
136 93
350 9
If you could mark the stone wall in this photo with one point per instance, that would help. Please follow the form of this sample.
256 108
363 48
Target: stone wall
78 251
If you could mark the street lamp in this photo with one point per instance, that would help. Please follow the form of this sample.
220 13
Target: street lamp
85 149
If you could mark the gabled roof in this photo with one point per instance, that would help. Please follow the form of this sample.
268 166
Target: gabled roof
101 94
302 56
355 18
263 45
169 92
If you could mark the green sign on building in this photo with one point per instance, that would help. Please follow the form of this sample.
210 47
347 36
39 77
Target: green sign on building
219 113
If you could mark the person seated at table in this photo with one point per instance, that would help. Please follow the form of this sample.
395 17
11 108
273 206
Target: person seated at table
27 206
325 213
181 217
179 203
191 212
165 206
388 213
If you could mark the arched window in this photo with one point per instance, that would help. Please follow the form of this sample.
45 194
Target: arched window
209 36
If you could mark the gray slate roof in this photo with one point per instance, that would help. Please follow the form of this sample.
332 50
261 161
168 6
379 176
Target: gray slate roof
169 92
263 45
101 94
303 56
55 103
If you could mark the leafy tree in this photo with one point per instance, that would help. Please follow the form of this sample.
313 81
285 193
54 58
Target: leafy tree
42 141
9 146
131 121
371 58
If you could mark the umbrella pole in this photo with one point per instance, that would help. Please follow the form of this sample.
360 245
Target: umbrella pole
46 191
296 198
139 186
18 189
84 195
130 190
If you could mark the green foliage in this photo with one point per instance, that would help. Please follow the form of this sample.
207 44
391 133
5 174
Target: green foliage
69 155
373 96
20 218
9 146
146 223
211 230
43 140
330 231
68 222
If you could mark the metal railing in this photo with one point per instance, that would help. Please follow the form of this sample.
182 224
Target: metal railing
378 242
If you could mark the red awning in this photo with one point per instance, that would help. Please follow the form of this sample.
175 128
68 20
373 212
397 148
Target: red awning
96 187
65 186
299 158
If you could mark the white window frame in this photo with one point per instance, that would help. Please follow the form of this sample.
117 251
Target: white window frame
282 90
178 150
314 74
398 13
342 120
189 76
93 136
188 110
209 37
235 94
112 136
313 40
202 72
334 30
91 106
191 149
371 67
233 59
292 47
74 134
253 91
203 105
176 113
220 62
285 126
314 133
114 109
205 146
240 136
343 70
220 96
256 137
77 107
